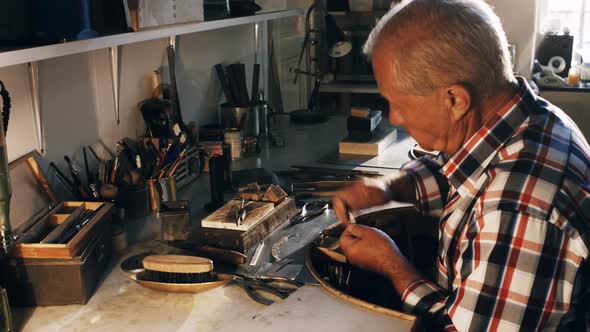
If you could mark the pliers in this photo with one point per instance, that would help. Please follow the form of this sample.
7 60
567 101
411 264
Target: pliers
255 287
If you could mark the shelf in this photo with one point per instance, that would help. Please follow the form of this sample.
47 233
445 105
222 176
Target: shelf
349 88
26 55
363 13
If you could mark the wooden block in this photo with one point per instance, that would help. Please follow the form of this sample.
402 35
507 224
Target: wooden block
274 194
225 217
374 147
243 240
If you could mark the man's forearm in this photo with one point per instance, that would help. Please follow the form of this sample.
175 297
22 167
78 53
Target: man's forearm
401 273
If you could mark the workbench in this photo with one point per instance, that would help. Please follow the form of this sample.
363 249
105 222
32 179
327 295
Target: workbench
121 305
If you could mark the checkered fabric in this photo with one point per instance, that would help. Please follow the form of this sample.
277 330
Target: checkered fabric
514 208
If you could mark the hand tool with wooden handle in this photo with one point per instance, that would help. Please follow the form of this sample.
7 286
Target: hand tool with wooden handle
65 225
36 170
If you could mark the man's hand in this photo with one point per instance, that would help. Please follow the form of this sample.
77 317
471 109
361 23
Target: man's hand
355 197
370 249
373 192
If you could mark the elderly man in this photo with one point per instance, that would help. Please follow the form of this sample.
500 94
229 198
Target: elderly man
511 186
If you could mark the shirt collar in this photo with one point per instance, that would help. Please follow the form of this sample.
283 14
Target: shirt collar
464 168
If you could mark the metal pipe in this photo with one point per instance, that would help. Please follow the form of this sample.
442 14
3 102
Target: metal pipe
116 78
33 72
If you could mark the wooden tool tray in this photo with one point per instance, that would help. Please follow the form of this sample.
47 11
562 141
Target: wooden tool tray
35 210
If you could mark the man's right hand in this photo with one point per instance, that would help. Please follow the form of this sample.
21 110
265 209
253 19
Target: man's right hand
355 197
362 196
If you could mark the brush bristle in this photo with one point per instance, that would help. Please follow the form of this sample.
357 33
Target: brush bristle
176 278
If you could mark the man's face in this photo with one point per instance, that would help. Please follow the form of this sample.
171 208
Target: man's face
426 118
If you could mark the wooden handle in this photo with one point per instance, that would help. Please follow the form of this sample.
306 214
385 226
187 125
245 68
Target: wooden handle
36 170
178 264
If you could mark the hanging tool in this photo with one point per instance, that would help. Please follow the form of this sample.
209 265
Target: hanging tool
171 50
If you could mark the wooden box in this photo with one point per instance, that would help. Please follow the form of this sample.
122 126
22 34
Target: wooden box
243 239
47 273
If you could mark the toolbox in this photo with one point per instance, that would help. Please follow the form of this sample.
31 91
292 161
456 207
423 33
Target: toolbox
43 274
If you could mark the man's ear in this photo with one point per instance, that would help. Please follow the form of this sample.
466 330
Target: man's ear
458 100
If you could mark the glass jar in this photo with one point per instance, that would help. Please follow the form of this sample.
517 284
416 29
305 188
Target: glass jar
573 77
585 73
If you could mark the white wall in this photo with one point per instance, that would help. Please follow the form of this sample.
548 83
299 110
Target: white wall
519 21
76 92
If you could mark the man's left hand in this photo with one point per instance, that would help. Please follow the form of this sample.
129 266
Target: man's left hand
369 249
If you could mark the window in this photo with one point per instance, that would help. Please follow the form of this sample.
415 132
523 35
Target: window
572 14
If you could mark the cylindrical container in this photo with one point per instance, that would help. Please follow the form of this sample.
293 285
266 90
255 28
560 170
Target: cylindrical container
252 126
136 202
233 117
262 112
573 76
585 73
161 190
234 139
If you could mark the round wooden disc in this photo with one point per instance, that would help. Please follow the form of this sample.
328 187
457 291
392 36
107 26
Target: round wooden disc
178 264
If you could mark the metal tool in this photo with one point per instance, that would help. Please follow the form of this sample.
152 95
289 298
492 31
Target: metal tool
257 254
255 287
310 210
241 215
351 218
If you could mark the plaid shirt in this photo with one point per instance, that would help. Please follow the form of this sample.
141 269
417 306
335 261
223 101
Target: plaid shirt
514 232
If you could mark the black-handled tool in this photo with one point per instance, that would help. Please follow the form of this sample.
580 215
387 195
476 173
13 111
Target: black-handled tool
65 181
255 82
76 179
223 81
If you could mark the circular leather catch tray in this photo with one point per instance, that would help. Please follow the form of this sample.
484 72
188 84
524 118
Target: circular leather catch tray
414 234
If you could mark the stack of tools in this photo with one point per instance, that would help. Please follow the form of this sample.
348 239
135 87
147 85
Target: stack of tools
309 182
71 226
366 135
128 170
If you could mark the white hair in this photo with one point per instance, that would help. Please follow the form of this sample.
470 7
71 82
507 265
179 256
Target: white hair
436 43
